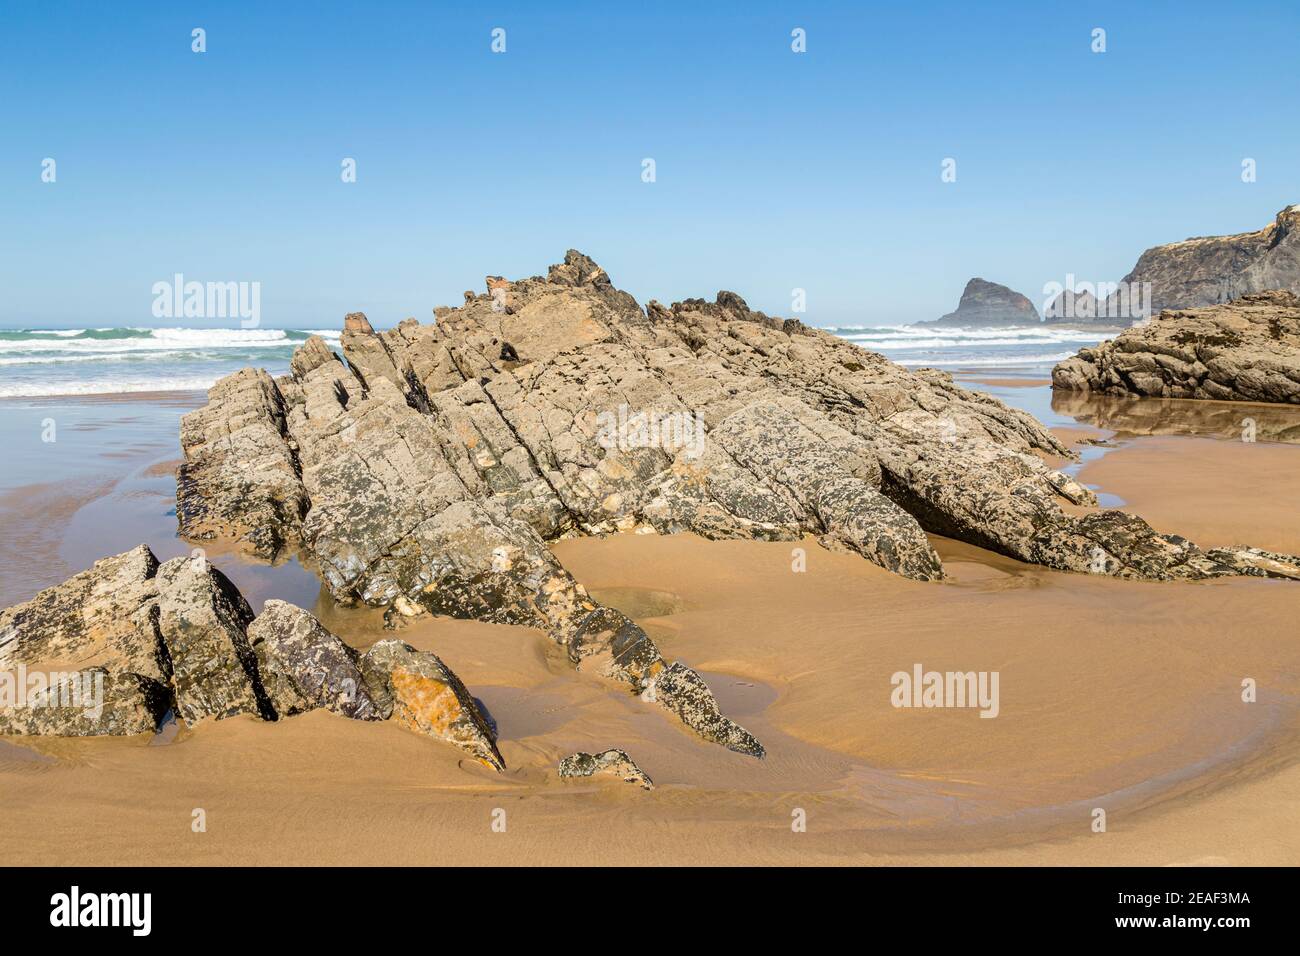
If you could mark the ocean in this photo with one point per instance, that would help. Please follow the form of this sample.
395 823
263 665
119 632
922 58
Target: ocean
1027 351
36 363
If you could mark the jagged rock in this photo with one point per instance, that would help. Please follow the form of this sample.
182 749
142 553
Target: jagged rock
105 616
85 703
1204 271
303 666
422 693
150 638
1217 269
611 762
204 622
1080 307
1246 350
554 406
682 691
985 303
239 479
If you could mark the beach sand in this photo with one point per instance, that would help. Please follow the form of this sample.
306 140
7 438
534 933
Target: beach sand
1123 696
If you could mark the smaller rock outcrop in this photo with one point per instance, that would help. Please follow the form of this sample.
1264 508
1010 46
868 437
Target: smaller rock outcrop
614 763
985 303
240 479
683 692
86 703
303 666
422 693
204 621
1247 350
116 648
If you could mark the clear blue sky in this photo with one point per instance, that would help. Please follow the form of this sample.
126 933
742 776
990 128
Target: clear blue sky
774 170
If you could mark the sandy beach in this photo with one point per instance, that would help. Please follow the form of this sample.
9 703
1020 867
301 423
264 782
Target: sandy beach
1114 695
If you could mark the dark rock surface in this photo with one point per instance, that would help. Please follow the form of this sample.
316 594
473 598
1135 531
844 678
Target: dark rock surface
303 666
614 763
148 640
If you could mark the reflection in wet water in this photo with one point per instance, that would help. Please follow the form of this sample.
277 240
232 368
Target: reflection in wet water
1180 416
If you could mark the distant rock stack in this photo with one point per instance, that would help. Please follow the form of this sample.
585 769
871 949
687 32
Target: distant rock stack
985 303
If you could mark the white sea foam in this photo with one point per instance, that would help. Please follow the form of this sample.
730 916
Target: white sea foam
983 361
134 340
107 386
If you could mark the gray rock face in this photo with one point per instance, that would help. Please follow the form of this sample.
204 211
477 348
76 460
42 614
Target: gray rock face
88 703
179 636
107 615
422 693
1194 273
240 473
439 460
1247 350
985 303
303 666
204 621
680 690
1217 269
614 763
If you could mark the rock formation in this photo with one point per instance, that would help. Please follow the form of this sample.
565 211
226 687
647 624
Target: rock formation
421 692
1247 350
985 303
435 463
1213 270
428 471
118 647
1204 271
615 763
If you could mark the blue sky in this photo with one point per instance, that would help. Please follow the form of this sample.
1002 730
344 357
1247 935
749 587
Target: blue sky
774 170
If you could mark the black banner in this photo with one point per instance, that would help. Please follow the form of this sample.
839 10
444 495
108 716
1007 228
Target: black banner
333 906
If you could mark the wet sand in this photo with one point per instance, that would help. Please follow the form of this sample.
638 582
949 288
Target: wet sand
1119 695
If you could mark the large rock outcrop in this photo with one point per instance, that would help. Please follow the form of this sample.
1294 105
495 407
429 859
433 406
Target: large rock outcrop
1213 270
1247 350
985 303
116 648
1198 272
437 461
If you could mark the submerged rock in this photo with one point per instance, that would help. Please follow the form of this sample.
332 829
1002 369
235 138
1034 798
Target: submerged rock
611 762
1247 350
